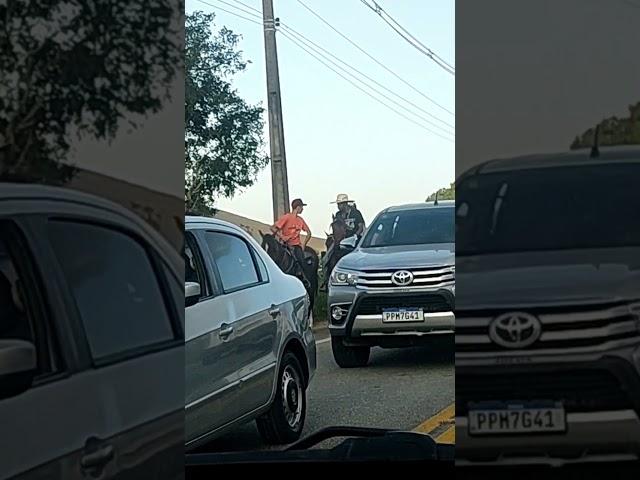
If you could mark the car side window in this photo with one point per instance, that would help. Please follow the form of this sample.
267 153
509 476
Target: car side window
14 323
115 287
264 273
194 270
24 313
234 260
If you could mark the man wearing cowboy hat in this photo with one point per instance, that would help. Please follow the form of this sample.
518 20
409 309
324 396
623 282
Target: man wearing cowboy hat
350 215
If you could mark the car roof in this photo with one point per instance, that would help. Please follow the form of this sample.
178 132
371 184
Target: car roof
421 206
572 158
191 219
31 191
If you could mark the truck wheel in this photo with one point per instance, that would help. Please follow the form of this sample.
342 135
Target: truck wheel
283 423
349 357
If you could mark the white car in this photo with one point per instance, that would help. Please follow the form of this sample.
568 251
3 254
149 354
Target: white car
91 340
250 351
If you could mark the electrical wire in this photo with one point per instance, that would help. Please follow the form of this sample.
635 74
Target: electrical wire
374 59
230 12
411 39
299 45
317 47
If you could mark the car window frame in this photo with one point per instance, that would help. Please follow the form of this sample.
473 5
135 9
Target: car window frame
40 311
260 261
156 261
211 281
252 253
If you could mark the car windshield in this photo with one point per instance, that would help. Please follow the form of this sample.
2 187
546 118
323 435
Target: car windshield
570 209
412 227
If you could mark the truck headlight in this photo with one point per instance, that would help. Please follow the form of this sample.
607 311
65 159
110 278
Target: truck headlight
343 278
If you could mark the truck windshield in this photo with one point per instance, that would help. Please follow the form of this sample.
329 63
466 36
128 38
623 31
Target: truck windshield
576 207
412 227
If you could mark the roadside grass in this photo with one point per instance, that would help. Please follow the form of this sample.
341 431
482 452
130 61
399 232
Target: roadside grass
320 307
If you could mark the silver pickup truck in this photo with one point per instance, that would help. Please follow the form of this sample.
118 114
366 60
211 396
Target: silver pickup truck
396 287
548 319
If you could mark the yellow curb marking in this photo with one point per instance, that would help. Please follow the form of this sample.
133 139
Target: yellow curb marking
441 425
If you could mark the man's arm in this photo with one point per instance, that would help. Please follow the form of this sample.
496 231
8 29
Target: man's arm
307 238
277 227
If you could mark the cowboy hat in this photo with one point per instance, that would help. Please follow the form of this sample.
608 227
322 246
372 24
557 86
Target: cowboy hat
342 198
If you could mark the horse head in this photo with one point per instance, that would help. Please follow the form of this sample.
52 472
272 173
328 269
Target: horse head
339 229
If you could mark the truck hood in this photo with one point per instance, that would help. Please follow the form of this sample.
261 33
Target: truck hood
548 278
399 257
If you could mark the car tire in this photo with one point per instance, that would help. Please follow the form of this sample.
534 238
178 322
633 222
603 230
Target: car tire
284 421
349 357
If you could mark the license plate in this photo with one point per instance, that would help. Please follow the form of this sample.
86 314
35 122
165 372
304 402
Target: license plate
514 419
403 315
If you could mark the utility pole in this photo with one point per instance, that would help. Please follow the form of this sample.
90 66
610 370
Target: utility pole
279 181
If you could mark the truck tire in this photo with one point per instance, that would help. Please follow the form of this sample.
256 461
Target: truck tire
284 422
349 357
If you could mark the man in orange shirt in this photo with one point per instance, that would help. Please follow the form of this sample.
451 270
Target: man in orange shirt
288 228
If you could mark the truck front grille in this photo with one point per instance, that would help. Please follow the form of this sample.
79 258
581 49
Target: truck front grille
563 329
423 277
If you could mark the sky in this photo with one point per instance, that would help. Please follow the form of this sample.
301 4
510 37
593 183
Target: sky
337 139
518 91
533 75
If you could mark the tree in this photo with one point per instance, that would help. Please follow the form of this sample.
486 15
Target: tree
223 133
444 193
613 131
78 68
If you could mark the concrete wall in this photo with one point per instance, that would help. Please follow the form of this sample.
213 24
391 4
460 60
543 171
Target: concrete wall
162 211
254 228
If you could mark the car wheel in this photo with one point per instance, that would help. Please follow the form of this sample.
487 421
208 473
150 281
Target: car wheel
283 423
349 357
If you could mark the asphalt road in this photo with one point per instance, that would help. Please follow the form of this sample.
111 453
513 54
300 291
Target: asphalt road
400 389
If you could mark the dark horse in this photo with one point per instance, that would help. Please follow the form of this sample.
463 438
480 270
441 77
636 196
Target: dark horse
283 257
334 252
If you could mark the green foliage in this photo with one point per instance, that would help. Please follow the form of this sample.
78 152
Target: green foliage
72 67
320 313
223 134
444 193
613 131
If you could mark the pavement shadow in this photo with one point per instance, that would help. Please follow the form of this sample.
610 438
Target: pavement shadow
435 354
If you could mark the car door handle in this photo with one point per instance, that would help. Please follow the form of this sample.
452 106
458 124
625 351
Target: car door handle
274 312
225 330
97 459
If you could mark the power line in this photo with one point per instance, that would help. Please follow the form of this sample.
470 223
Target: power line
306 41
426 52
249 12
230 12
412 40
373 58
249 7
299 45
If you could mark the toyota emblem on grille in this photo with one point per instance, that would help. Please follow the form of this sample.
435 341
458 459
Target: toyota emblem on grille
402 278
515 330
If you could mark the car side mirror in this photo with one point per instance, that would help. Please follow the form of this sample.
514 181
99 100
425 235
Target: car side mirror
18 366
349 243
192 293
